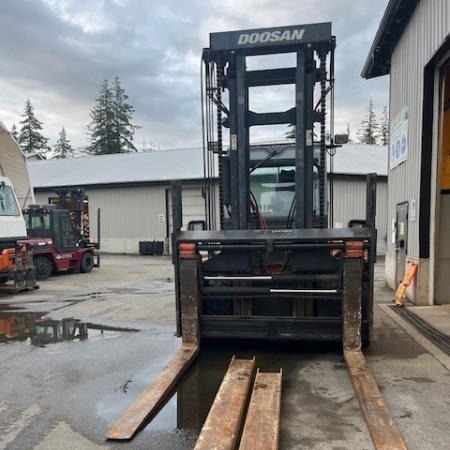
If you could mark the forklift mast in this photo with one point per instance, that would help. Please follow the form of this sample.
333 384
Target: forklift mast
76 197
296 173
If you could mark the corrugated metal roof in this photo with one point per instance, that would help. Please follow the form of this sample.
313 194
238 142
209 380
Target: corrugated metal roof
163 165
360 159
351 158
166 165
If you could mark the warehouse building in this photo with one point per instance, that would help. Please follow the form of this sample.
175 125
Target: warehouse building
132 191
412 45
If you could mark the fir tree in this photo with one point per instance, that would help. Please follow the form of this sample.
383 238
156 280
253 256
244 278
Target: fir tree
30 138
384 126
101 126
14 132
63 148
349 139
123 114
291 133
111 130
369 127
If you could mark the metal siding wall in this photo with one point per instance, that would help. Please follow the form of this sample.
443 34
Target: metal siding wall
193 204
422 38
41 198
129 212
382 217
128 215
350 203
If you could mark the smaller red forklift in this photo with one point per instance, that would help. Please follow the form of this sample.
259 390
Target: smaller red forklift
56 236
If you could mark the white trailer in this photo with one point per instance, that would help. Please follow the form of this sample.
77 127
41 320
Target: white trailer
15 194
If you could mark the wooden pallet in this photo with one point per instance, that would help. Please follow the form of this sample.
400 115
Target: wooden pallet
222 426
262 424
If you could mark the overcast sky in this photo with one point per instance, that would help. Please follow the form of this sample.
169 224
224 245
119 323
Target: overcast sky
57 52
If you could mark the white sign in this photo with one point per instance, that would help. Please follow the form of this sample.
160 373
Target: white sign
398 142
233 144
413 208
161 219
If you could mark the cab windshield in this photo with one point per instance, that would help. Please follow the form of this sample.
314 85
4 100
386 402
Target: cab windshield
273 189
37 221
8 202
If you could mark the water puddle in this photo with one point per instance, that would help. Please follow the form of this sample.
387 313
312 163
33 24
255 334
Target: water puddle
183 415
40 330
178 422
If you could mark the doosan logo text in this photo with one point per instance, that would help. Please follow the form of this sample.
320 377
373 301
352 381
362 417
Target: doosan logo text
271 36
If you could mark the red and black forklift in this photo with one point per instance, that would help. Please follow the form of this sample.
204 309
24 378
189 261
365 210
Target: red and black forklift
57 236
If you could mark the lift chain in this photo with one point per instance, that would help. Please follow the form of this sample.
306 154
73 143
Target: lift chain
219 80
323 93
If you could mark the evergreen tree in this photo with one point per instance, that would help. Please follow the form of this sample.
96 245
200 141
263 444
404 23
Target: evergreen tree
111 130
14 132
63 148
101 126
123 114
348 133
291 133
369 127
384 126
30 138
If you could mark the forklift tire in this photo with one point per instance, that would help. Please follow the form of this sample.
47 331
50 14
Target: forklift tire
43 267
87 262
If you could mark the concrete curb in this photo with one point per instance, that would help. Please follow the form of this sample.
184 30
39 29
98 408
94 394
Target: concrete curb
418 337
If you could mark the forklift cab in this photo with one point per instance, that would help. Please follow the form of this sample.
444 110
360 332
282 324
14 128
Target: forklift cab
53 223
272 186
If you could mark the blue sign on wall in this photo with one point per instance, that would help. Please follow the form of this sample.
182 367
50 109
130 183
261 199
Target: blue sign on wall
398 148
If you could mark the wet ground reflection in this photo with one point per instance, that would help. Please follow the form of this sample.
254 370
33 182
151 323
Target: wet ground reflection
41 330
185 412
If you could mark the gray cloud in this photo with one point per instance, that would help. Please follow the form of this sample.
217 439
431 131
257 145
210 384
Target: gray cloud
57 52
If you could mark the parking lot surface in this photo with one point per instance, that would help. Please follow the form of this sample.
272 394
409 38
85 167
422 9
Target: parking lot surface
66 394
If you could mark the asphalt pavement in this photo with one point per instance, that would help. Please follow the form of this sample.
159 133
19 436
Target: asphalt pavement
66 394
